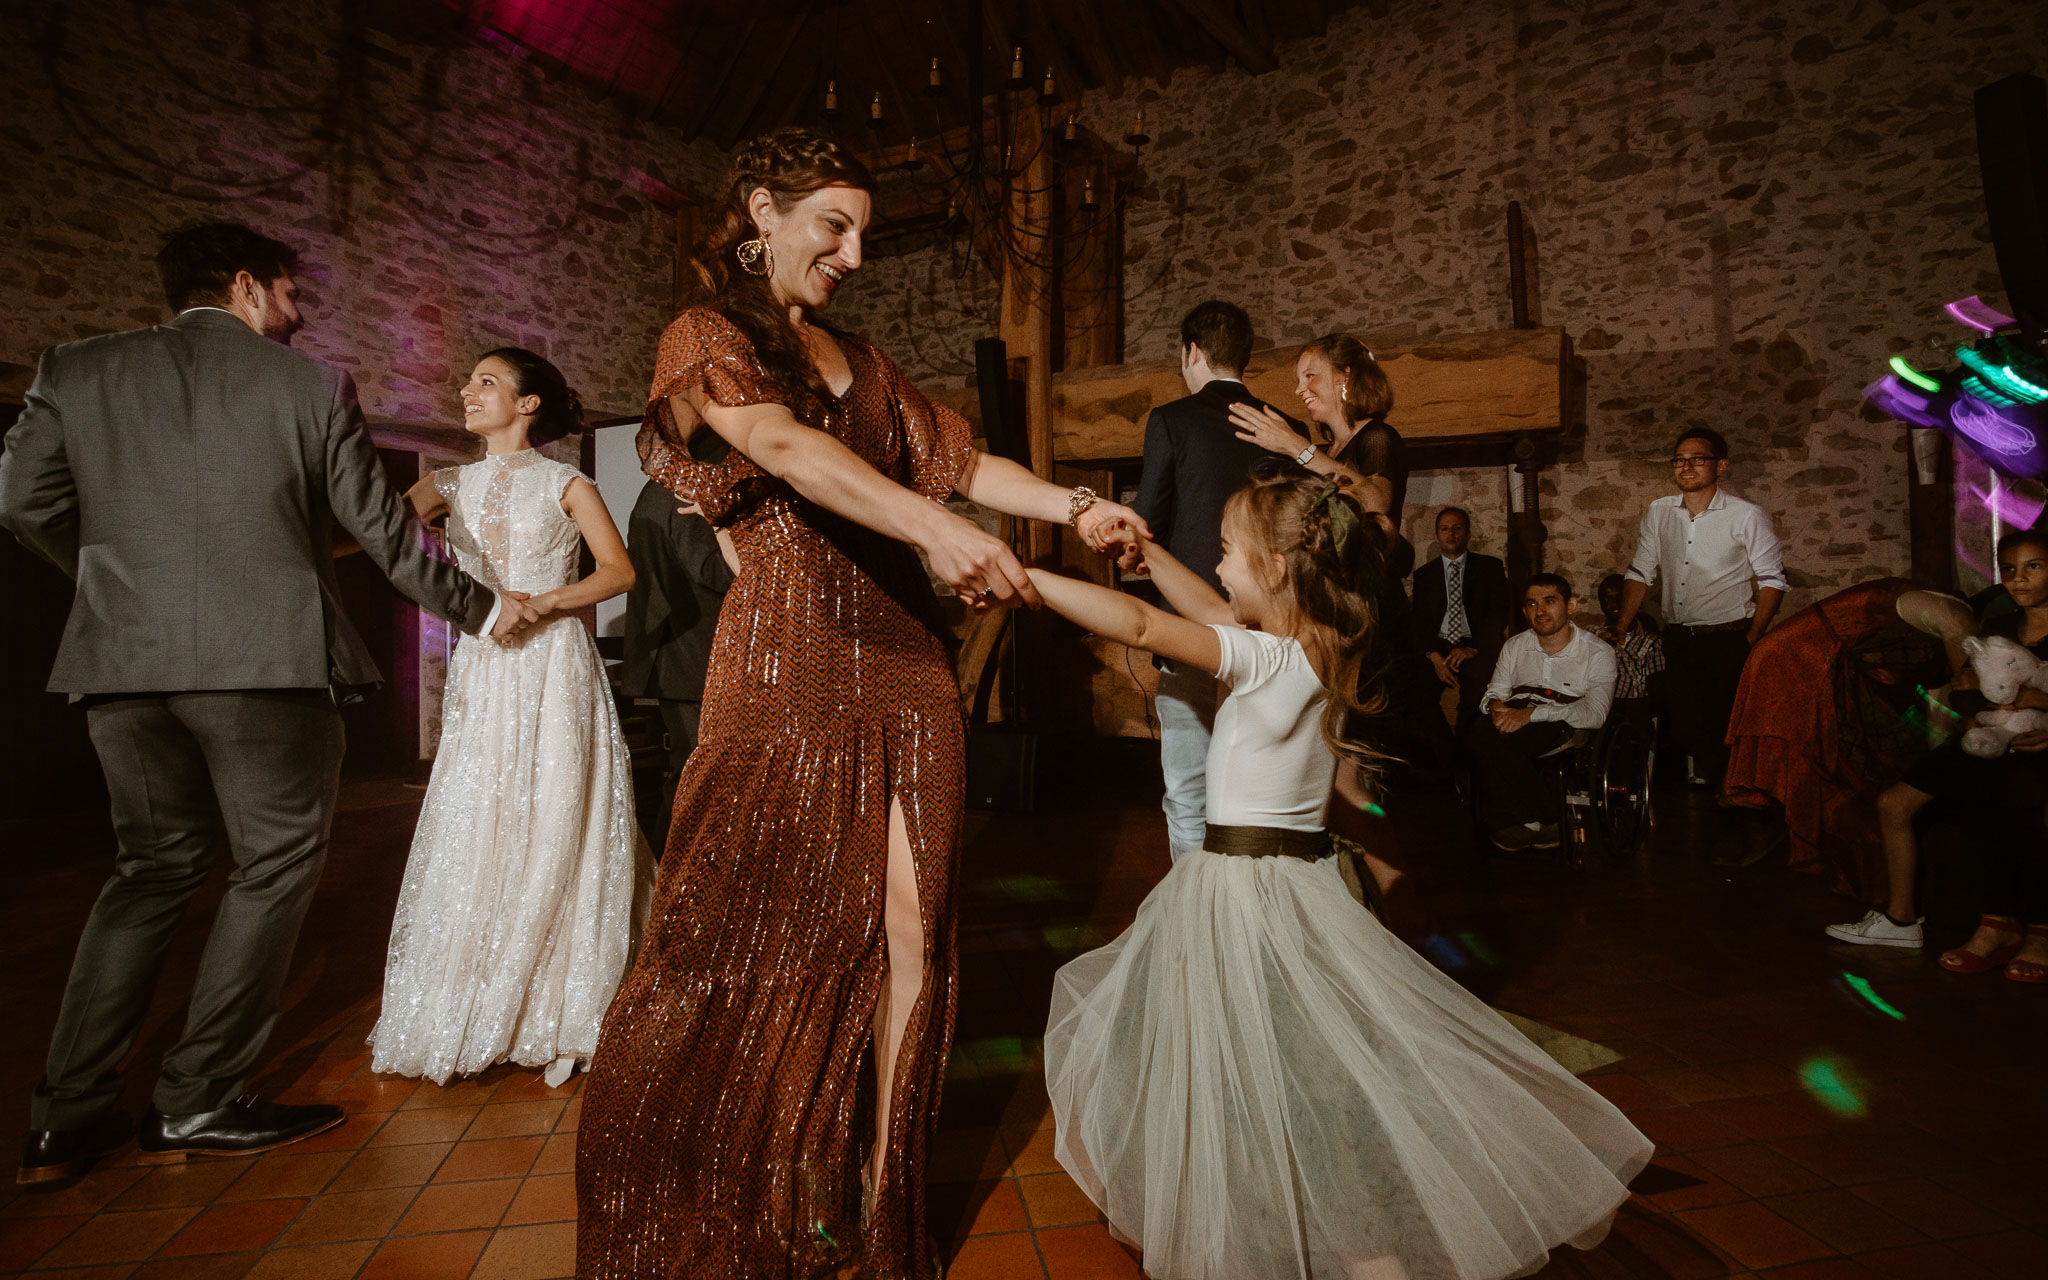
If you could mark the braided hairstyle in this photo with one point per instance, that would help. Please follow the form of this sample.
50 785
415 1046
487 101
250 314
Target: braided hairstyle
561 409
1334 557
1367 392
791 162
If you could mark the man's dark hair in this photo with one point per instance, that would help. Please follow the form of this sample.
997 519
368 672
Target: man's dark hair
1224 333
1558 580
1716 443
198 262
1459 512
1614 580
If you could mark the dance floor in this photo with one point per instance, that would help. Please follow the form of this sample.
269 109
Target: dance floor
1821 1112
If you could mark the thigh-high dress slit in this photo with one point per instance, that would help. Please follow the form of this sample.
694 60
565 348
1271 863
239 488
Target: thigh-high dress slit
728 1110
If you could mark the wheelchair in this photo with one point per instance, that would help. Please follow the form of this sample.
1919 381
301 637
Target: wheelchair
1603 790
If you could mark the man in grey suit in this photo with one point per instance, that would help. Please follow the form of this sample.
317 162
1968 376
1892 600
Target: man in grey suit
188 477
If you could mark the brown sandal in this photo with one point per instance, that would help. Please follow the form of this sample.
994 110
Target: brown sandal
2033 971
1962 960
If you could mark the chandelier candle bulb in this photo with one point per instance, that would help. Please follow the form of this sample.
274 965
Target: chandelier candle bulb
1087 193
1017 67
1048 92
832 98
1073 130
875 110
933 84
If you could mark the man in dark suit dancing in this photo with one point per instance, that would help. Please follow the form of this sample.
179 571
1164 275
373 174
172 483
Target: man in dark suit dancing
1460 613
1194 461
680 580
188 477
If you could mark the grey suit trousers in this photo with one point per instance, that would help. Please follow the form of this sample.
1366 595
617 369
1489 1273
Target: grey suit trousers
255 770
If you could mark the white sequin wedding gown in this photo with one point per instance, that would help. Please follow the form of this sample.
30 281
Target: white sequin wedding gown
528 875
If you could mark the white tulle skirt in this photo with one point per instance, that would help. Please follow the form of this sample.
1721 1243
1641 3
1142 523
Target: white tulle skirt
528 878
1258 1081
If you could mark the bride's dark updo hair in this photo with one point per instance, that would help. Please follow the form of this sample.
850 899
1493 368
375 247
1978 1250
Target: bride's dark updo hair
792 162
561 409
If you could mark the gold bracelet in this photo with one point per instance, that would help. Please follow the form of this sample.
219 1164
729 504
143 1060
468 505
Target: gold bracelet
1078 501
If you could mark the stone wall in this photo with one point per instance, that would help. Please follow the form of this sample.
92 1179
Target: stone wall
449 193
1739 210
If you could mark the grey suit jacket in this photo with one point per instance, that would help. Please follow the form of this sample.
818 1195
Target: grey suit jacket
188 477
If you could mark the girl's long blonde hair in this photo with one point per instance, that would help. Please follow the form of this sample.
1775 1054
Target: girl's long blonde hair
1334 557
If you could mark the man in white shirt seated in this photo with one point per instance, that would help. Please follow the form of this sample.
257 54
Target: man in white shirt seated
1550 680
1722 574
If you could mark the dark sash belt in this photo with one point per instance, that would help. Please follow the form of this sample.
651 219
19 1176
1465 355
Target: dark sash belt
1268 842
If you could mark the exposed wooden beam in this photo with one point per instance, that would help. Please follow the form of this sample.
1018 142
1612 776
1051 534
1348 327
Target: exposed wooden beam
1079 15
1140 37
1226 30
903 111
750 100
1046 49
955 58
709 97
1256 26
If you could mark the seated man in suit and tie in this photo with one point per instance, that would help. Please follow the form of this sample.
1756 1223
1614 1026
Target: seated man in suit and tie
1460 613
1194 461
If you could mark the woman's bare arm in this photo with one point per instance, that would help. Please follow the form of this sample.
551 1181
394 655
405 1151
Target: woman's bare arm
1116 616
1005 486
614 573
427 500
962 555
1262 426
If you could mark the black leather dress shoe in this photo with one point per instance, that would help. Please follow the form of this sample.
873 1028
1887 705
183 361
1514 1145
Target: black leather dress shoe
242 1127
52 1155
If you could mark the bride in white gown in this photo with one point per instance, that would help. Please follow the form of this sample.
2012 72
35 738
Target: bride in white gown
527 881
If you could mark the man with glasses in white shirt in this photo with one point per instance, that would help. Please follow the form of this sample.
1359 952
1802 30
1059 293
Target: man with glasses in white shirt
1722 576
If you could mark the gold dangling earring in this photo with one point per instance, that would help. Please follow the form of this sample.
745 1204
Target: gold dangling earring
756 258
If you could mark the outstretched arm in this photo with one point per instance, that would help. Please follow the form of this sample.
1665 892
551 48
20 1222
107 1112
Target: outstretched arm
964 556
1187 591
1002 484
1116 616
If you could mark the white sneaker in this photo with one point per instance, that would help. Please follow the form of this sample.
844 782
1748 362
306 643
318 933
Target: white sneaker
1875 929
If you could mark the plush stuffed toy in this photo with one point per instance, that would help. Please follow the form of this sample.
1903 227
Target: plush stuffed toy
2004 667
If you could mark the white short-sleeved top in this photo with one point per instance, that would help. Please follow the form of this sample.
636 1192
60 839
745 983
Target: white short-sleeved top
1268 763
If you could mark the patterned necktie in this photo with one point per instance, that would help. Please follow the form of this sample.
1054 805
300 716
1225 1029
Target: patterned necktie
1454 600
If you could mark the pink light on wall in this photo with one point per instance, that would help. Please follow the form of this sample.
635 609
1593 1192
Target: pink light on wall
626 43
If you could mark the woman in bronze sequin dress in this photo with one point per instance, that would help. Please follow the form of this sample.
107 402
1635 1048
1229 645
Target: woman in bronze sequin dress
767 1084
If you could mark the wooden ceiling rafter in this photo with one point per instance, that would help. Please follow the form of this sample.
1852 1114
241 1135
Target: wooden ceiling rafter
1079 16
750 98
714 93
743 68
1043 48
1228 30
1148 52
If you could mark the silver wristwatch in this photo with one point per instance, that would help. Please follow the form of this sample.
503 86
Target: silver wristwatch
1306 455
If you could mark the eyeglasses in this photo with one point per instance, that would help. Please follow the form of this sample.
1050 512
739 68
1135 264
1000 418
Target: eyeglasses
1685 460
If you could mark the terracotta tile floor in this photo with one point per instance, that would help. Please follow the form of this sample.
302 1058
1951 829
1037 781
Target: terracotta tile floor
1804 1132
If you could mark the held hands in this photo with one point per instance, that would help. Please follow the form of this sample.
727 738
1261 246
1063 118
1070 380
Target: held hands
1459 656
1266 429
1105 525
520 613
976 564
1444 671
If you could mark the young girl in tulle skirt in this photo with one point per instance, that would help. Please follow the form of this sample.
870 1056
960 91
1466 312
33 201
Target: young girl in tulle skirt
1257 1080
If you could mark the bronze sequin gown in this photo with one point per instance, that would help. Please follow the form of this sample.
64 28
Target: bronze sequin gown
728 1109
